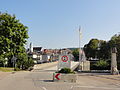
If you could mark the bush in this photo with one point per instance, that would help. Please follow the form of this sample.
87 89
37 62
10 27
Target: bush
66 71
16 69
24 62
6 69
100 65
30 68
28 63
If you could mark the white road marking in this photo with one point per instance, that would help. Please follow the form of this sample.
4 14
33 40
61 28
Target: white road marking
44 88
117 84
98 87
71 87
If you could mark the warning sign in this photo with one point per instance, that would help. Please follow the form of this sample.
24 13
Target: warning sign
56 76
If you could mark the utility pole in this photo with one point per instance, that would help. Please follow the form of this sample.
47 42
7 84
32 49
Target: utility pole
80 47
118 33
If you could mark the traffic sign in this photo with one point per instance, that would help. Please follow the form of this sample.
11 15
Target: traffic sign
64 58
56 76
64 61
13 59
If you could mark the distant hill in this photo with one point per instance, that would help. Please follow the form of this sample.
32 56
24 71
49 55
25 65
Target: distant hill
72 48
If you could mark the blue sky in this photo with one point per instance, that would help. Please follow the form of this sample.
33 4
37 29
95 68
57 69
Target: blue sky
55 23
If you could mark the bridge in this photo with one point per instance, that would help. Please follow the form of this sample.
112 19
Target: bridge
53 66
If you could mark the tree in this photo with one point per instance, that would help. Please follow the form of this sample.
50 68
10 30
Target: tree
24 62
104 50
13 35
75 53
99 49
115 42
91 49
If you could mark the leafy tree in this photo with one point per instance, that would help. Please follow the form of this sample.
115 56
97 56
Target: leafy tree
13 35
3 61
115 42
97 49
104 50
91 49
23 61
75 53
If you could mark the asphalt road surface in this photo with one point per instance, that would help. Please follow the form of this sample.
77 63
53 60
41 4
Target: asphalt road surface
41 79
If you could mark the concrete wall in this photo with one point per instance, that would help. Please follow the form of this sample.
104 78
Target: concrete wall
71 78
84 66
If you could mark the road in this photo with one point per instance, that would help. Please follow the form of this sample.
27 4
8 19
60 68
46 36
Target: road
41 79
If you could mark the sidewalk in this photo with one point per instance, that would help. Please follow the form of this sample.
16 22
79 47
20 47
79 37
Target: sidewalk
111 77
102 75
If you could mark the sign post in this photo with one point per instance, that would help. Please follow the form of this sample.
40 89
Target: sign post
14 61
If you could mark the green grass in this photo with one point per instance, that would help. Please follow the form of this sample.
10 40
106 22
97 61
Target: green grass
6 69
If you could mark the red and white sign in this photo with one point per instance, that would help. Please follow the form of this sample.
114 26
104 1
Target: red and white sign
64 61
64 58
56 76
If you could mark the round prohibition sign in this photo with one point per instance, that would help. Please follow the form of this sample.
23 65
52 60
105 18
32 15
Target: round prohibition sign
64 58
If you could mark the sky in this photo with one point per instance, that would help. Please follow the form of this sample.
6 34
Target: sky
55 23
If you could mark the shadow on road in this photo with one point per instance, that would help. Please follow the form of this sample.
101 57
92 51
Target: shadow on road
48 80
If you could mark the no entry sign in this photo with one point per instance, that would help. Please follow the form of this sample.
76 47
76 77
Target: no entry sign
64 58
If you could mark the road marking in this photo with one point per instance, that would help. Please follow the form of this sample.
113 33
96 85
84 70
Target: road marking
44 88
98 87
117 84
71 87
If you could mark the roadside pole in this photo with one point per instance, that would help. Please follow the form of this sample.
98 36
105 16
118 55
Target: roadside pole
80 48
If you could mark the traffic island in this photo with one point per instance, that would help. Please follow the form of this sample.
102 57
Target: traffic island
65 75
59 77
